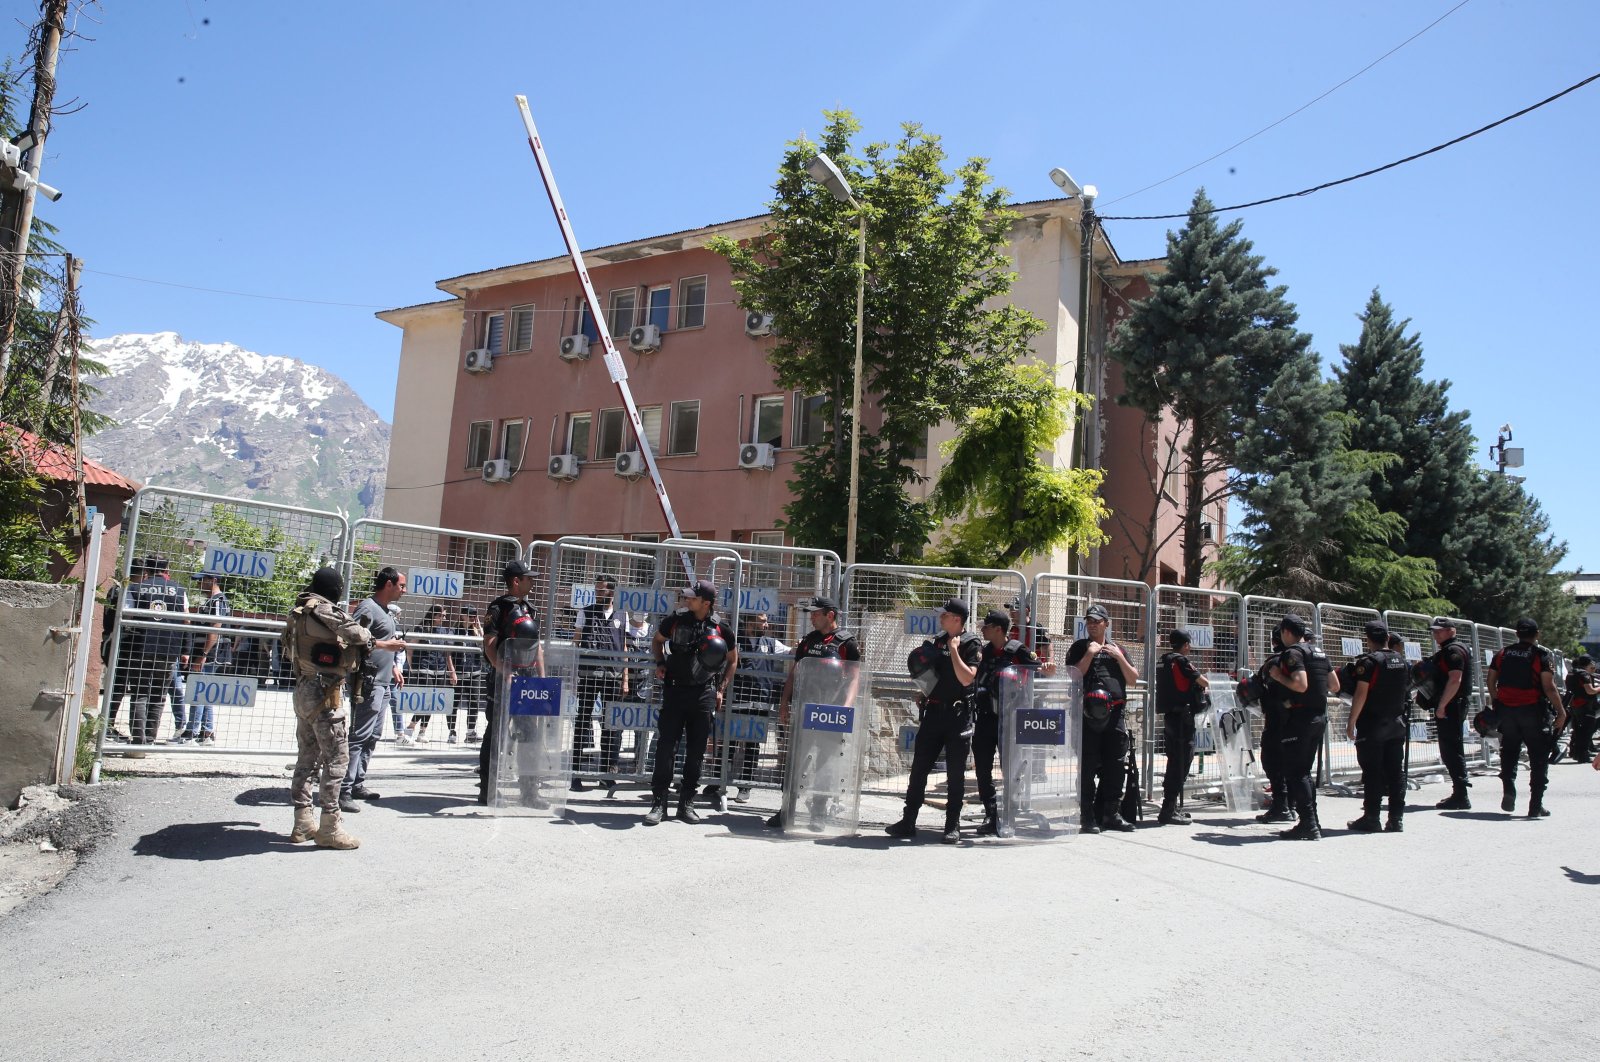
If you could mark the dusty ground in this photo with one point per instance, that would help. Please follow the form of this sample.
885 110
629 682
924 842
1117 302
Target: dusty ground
198 932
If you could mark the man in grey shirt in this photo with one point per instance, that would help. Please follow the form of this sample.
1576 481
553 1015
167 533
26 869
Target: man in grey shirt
370 686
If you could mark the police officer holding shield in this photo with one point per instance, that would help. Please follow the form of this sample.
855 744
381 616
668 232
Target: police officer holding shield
1522 684
696 654
1453 662
826 640
1583 697
508 616
1001 650
1274 715
1306 675
1103 762
1378 728
1179 690
946 722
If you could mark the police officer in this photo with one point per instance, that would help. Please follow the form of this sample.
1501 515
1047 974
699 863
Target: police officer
1274 715
1583 698
696 654
1306 675
1453 662
155 649
1522 685
1378 728
1179 686
826 640
1103 767
1001 650
508 616
946 724
603 639
324 645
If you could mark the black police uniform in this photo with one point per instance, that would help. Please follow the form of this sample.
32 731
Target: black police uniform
1381 732
1581 707
986 724
1103 767
1453 656
1305 722
1525 718
501 618
688 701
155 653
1177 699
946 727
600 676
1274 718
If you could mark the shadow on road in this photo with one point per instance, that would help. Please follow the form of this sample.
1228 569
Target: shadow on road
1578 877
205 841
1234 840
1480 816
266 797
624 817
423 804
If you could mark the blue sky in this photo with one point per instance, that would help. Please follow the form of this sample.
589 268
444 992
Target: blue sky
357 152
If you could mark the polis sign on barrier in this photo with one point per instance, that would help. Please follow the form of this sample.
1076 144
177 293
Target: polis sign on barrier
582 596
533 695
741 726
1041 726
831 717
431 582
220 691
238 563
1202 636
1350 646
631 715
425 700
645 599
751 599
1413 651
922 622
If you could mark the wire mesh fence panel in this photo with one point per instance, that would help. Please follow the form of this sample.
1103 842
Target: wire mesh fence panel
1057 620
451 576
1341 628
893 609
778 584
1413 630
607 599
1214 621
198 616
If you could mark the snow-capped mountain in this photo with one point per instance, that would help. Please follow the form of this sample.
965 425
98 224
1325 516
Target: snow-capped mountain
218 418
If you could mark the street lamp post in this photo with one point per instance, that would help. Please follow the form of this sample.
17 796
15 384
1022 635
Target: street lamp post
1086 224
824 172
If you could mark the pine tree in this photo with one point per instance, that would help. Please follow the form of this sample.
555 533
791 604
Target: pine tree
1203 348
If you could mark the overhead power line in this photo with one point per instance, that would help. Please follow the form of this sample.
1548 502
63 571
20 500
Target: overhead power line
1365 173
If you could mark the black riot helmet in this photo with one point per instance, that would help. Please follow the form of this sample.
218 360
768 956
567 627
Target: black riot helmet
328 583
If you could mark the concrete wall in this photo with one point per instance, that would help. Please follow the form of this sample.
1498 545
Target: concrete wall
34 667
430 365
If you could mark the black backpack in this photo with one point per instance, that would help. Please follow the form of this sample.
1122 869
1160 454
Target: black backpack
1132 792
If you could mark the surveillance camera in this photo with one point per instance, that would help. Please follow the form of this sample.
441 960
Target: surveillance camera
48 191
1506 428
1063 180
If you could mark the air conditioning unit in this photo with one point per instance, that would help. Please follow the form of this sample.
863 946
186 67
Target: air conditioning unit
562 466
629 463
757 455
758 324
645 339
575 348
497 471
480 360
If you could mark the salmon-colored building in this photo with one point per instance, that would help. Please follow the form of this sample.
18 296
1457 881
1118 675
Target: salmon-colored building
509 369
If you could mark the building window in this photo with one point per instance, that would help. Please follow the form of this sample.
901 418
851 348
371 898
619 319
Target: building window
766 569
769 420
494 333
650 417
919 450
479 435
586 323
608 441
578 434
692 302
620 312
685 428
477 563
511 436
642 570
521 328
506 552
810 426
660 311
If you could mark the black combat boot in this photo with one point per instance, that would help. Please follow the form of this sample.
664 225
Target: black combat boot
1280 811
1307 828
1169 815
686 811
990 826
1457 800
1508 795
1536 808
952 831
906 828
657 812
1367 823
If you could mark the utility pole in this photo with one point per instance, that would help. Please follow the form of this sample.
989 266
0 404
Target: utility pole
23 180
74 335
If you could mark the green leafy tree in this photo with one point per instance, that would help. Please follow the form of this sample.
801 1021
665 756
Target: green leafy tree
1201 352
938 335
293 562
1009 504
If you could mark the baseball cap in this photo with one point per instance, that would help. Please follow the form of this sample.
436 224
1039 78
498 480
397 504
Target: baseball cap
704 590
820 604
1527 625
515 569
997 618
1096 612
1377 631
1178 638
1294 624
957 607
1442 623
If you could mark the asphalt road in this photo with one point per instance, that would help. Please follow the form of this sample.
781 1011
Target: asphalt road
199 933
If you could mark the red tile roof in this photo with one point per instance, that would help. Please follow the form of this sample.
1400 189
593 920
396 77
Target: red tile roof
52 461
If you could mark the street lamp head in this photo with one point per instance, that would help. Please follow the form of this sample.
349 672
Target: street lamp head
1063 180
824 172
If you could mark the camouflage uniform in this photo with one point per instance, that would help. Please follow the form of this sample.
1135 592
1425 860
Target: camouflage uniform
321 727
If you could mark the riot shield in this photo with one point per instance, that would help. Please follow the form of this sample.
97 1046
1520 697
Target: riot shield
1041 724
830 709
535 761
1231 737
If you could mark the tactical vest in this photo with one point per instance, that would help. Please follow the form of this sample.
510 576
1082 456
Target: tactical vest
1520 669
1175 691
313 648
